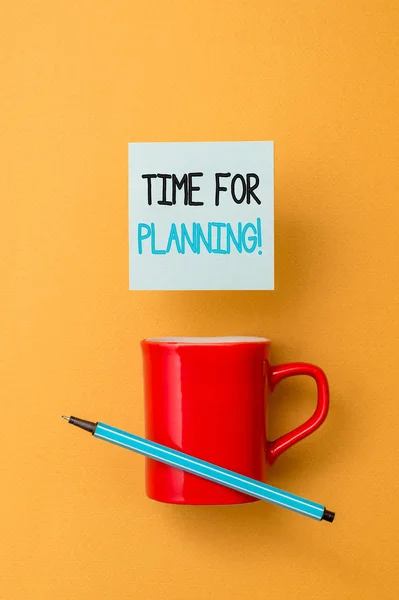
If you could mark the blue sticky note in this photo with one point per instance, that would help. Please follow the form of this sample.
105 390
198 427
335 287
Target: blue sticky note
201 216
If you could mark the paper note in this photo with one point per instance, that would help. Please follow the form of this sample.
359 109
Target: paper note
201 216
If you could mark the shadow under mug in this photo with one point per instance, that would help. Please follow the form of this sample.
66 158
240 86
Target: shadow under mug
207 397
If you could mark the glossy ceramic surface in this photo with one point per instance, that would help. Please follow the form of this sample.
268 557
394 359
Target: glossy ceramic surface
208 398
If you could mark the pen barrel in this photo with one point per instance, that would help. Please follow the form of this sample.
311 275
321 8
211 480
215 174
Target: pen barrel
209 471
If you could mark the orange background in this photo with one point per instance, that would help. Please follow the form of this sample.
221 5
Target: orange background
79 81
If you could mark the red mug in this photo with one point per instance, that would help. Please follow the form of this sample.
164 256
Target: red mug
207 397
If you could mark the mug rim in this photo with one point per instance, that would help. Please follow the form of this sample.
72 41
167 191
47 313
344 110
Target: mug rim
207 341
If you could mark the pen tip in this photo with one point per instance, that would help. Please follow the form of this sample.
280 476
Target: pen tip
64 417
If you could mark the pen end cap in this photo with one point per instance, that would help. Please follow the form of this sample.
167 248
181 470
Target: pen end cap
328 515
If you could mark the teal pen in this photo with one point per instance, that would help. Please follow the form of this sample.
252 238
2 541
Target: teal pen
204 469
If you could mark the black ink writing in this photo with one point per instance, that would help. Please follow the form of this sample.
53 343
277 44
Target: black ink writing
241 188
169 190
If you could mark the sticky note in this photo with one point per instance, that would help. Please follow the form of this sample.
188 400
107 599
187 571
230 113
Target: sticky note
201 216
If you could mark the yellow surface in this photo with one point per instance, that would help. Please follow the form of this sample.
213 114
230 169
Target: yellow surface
78 82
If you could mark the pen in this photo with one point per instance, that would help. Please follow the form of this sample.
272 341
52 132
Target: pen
204 469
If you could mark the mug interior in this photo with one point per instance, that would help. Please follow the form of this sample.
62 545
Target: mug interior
238 339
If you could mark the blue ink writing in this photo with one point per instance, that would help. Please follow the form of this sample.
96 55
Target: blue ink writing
214 238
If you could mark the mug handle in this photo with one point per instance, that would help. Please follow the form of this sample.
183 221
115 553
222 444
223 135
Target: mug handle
277 374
